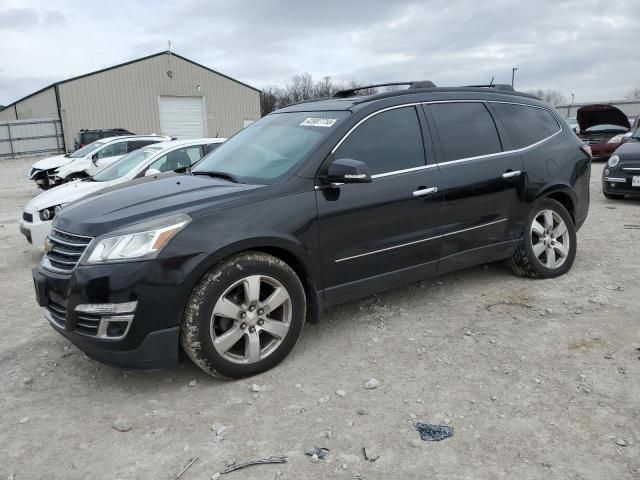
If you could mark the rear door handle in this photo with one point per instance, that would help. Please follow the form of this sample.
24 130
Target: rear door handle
425 191
512 174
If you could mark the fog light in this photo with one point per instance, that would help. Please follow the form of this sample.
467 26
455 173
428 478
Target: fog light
107 308
116 328
606 172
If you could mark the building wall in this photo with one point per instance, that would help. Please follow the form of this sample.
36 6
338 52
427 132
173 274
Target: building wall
629 107
41 105
127 97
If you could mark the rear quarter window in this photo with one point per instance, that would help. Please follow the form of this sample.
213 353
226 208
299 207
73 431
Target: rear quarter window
525 125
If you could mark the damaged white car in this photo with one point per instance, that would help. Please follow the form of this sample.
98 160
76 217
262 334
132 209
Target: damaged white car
86 161
150 160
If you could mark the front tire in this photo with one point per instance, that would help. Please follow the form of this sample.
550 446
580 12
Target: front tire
549 244
244 316
74 177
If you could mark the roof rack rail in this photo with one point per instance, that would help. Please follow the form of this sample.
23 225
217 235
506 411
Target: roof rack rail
350 92
497 86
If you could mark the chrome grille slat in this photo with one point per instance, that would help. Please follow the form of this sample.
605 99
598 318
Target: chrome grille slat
66 250
58 313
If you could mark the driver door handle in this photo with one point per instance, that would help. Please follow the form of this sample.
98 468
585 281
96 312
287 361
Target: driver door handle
425 191
511 174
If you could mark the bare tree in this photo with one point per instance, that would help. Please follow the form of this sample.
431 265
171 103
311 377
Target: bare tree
303 87
633 94
551 96
269 98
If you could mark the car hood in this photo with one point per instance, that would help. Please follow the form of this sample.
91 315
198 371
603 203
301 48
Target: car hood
52 162
67 193
629 150
149 197
592 115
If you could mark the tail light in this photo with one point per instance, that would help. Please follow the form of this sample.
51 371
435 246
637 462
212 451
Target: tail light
586 149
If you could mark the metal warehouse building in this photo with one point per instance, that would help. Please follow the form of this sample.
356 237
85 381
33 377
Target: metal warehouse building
163 93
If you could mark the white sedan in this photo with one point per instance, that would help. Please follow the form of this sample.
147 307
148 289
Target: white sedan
160 157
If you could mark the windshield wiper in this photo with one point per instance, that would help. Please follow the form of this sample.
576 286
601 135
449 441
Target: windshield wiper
224 175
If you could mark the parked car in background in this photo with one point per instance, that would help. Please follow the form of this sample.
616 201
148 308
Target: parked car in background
311 206
602 127
90 165
86 136
150 160
573 123
89 159
621 175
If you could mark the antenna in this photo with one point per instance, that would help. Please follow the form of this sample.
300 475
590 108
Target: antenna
169 71
491 82
219 128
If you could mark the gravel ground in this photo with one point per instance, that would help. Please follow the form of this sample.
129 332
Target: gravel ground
539 379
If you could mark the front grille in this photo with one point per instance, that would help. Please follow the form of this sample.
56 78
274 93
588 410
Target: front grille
58 313
27 217
87 324
66 250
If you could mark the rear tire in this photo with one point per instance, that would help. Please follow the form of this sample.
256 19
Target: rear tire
612 196
549 243
244 316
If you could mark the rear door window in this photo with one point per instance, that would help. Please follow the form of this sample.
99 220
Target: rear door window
386 142
136 144
465 130
112 150
525 125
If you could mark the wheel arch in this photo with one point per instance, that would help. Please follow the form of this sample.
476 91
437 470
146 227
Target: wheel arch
563 195
287 250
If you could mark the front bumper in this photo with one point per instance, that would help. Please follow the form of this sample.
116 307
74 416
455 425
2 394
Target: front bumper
620 183
36 230
160 288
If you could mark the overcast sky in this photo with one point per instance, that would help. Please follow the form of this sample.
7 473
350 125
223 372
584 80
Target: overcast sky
585 47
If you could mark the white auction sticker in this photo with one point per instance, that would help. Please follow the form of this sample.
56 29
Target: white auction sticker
319 122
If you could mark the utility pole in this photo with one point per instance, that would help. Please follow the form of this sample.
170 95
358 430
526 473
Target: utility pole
513 75
572 97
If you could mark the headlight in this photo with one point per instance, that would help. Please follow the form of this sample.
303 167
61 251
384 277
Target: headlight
48 213
617 139
613 161
142 241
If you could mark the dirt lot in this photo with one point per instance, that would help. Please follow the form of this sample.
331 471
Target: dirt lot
540 379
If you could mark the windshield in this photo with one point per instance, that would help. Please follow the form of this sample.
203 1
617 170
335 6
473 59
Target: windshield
88 149
126 164
607 128
266 150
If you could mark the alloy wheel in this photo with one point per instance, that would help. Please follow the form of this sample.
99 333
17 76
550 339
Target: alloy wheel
550 239
251 319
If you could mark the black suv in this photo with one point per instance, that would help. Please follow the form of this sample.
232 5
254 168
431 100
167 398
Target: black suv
313 205
87 136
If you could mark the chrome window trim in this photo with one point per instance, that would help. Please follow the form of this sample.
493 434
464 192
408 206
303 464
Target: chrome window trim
422 240
459 160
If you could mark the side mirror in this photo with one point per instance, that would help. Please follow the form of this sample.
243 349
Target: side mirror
151 171
347 170
94 158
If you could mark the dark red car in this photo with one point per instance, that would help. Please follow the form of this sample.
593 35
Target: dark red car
602 127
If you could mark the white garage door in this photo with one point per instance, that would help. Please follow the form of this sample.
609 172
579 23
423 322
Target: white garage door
182 117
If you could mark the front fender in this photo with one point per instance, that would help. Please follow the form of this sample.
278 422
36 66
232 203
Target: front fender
79 166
